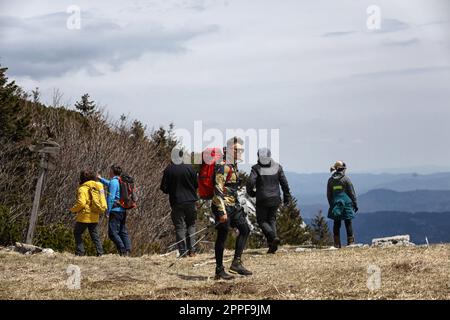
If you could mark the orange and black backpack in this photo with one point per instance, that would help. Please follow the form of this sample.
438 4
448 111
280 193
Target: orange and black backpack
128 197
206 176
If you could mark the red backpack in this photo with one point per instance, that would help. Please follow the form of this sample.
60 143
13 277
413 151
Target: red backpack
207 172
128 197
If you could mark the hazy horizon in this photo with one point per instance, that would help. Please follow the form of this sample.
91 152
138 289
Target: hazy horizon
336 89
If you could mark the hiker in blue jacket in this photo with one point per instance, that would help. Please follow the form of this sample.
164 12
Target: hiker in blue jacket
117 229
342 200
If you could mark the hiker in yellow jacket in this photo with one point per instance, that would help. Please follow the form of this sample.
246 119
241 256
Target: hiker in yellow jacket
90 203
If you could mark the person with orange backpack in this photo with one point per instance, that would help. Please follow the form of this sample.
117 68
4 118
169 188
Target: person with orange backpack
224 180
89 205
121 197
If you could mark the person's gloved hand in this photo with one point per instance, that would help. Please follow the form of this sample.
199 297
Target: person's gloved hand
355 207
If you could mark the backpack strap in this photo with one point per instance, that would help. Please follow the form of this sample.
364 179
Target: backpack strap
230 173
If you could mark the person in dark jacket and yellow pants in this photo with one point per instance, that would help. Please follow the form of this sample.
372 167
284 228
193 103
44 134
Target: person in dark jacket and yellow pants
343 203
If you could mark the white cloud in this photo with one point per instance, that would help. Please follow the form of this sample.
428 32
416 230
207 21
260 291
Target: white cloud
335 89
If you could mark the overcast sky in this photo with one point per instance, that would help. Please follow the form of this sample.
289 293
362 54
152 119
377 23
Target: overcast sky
377 99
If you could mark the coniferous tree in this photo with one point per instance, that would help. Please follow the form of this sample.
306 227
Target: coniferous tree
164 138
320 235
86 107
36 94
291 228
14 120
138 130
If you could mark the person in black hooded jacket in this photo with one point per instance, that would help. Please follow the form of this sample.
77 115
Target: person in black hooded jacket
266 177
179 181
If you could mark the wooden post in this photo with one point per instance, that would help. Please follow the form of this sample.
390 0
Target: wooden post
47 149
36 201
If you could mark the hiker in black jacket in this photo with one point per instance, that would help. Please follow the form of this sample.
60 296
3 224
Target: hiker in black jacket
266 177
180 183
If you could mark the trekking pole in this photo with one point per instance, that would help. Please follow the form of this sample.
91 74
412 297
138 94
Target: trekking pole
182 240
180 257
174 244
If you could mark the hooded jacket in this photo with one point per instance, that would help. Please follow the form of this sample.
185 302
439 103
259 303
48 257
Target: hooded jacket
267 179
82 207
338 183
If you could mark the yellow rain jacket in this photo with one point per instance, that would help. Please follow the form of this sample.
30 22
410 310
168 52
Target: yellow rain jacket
82 207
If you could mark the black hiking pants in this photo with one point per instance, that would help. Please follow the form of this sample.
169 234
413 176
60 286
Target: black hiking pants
267 220
236 219
78 231
184 216
348 226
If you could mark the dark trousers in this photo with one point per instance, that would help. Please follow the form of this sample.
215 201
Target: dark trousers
348 226
267 221
184 216
118 232
236 219
78 231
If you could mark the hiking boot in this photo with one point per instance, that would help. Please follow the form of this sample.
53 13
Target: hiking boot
222 275
274 245
238 268
124 253
337 242
350 240
182 254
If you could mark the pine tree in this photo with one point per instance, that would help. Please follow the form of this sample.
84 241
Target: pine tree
138 130
85 106
164 138
291 228
36 94
14 119
321 235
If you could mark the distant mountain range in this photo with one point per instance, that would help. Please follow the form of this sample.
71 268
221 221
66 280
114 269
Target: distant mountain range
434 226
311 186
389 204
388 200
374 191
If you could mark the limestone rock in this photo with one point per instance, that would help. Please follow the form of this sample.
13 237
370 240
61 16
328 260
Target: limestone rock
402 240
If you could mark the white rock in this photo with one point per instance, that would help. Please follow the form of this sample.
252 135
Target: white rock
302 249
403 240
27 248
356 245
48 251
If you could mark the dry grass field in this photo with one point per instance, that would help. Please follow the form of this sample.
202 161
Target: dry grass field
405 273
